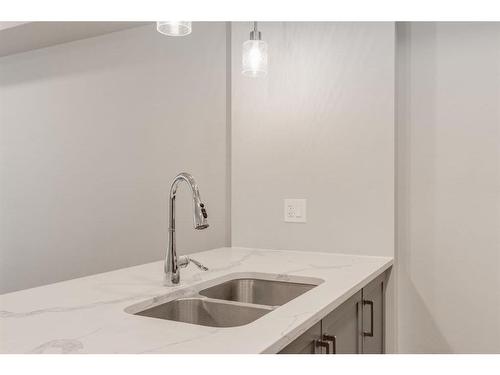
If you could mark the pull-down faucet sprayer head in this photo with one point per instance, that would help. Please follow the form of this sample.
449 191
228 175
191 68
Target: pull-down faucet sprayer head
200 213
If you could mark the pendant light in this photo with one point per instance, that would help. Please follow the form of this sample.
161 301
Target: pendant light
254 58
174 28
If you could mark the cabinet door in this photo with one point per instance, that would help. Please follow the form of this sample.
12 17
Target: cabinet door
373 316
342 327
305 343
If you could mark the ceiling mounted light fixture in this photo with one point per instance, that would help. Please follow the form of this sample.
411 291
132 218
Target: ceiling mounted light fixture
254 59
174 28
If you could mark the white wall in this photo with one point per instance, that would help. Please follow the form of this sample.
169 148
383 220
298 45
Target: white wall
91 134
449 187
320 126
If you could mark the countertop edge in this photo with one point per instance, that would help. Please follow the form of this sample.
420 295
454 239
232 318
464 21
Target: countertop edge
301 328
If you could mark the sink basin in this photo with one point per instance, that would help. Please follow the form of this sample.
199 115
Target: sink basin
206 312
240 300
257 291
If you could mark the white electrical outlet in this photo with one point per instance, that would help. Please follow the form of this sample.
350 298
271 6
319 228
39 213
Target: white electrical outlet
295 210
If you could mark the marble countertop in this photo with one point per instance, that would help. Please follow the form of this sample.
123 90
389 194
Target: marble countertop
86 315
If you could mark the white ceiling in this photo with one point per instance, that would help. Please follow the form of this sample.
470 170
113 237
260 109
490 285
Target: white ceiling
7 25
17 37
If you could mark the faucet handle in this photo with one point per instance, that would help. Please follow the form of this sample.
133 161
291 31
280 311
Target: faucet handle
185 260
198 264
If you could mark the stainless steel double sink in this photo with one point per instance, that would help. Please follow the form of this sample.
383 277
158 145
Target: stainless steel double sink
235 302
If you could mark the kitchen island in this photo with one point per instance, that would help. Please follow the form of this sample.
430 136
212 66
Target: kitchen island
92 314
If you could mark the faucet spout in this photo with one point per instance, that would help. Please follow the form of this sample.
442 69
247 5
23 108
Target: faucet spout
172 262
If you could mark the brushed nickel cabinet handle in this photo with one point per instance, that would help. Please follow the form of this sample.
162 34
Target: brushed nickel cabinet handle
369 303
318 344
333 340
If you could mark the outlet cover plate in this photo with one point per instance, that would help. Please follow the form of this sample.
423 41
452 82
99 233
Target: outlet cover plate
295 210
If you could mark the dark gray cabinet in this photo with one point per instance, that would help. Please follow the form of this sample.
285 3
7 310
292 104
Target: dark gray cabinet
341 327
356 326
307 343
373 324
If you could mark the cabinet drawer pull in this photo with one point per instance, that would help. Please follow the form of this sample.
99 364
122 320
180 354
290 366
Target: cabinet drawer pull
318 344
333 341
369 303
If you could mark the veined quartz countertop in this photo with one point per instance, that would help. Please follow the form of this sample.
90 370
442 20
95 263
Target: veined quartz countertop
86 315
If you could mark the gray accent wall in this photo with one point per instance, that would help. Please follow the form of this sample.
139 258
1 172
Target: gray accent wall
320 126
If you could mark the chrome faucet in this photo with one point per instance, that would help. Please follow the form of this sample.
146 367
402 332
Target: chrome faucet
172 262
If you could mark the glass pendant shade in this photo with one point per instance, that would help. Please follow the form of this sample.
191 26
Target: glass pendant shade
174 28
254 63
